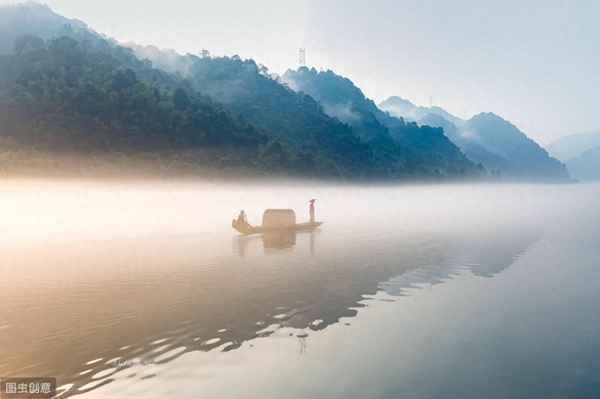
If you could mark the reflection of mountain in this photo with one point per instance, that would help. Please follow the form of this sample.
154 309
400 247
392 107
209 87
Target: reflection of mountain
484 256
158 299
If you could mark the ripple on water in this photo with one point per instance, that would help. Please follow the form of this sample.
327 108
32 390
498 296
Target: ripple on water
113 360
63 389
94 384
161 348
211 341
269 330
104 373
170 355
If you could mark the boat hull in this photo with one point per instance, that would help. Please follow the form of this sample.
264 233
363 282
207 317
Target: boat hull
247 229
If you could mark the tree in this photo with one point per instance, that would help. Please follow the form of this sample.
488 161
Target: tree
28 43
124 79
181 99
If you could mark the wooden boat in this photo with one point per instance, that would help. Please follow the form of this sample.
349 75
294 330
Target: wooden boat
275 220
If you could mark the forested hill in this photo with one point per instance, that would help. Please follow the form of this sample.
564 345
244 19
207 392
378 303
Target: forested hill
33 19
302 122
64 87
89 94
428 147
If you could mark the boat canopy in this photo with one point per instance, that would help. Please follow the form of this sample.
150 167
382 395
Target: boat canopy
279 218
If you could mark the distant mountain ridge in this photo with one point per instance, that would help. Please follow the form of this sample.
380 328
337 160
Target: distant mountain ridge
342 99
586 166
488 139
64 86
404 108
572 146
581 153
252 92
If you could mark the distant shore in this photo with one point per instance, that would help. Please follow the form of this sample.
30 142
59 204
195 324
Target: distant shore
192 164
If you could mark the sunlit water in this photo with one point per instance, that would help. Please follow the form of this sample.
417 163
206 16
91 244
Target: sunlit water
142 289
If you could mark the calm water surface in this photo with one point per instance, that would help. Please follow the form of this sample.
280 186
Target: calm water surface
141 289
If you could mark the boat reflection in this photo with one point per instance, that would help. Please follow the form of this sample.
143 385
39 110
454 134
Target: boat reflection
275 242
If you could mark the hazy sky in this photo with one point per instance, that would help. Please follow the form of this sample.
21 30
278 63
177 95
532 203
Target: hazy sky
536 63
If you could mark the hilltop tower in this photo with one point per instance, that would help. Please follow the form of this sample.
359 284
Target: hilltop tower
302 57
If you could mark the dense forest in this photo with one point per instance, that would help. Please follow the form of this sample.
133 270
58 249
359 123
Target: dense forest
83 93
92 95
71 90
299 118
66 89
427 147
118 99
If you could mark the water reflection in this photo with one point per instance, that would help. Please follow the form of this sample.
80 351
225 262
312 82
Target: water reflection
88 307
274 242
485 255
133 315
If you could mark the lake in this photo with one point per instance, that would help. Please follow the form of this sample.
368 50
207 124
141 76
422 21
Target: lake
127 289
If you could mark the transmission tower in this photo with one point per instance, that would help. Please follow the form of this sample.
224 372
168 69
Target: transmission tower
302 57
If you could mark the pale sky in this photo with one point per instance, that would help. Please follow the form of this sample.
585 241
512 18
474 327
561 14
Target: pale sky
536 62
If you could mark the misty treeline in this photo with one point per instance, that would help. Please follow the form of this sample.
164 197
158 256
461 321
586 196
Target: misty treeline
80 92
303 122
91 95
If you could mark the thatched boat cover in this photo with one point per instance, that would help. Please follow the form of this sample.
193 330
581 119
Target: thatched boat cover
279 218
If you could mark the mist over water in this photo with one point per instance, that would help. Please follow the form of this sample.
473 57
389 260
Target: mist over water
142 289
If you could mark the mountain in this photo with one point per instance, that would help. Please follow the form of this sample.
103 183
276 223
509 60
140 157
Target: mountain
65 88
67 95
79 94
426 148
472 149
572 146
404 108
488 139
526 159
581 153
302 131
71 90
299 120
33 19
586 166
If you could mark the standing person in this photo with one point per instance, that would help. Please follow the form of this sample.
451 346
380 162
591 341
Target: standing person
312 210
242 218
